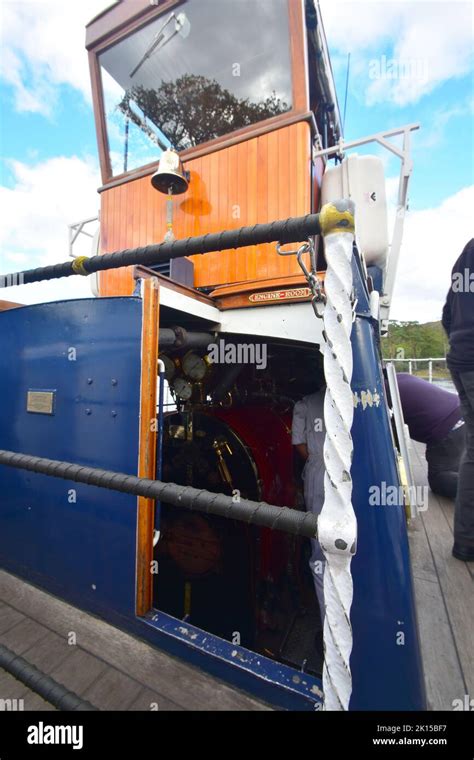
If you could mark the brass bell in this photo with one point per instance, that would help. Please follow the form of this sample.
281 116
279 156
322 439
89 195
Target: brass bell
170 176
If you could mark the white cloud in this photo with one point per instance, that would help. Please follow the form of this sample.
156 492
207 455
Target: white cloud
434 132
358 26
36 211
425 43
42 43
433 239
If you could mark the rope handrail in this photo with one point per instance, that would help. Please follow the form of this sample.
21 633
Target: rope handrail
290 230
244 510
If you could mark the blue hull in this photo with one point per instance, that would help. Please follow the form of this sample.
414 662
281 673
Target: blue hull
79 542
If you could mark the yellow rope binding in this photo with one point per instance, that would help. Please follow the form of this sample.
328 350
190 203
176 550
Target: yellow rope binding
337 217
78 265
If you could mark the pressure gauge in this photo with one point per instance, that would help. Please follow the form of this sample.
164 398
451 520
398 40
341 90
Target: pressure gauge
194 366
183 388
170 366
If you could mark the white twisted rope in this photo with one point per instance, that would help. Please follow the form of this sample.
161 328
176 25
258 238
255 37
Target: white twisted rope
337 526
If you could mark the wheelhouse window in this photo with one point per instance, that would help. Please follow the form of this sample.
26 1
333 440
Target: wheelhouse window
203 69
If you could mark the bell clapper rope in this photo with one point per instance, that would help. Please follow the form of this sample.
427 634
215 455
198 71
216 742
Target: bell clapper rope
169 237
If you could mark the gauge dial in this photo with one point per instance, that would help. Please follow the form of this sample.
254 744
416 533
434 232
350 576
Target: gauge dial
194 365
170 366
183 388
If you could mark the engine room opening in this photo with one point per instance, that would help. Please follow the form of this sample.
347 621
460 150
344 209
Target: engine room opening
227 429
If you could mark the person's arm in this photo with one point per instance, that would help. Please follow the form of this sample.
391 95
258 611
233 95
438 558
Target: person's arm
302 450
298 429
446 318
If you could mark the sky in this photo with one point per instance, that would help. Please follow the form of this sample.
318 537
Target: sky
410 61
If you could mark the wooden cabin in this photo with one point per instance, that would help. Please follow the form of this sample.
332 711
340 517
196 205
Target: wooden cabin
243 95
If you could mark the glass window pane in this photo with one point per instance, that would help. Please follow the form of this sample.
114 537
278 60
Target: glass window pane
204 69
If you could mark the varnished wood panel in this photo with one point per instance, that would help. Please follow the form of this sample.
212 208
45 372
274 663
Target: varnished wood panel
299 68
147 453
5 305
256 181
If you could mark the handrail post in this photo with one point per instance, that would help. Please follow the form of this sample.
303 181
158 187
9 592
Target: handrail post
337 525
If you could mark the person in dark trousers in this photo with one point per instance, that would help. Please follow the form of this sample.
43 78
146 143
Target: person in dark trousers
434 417
458 321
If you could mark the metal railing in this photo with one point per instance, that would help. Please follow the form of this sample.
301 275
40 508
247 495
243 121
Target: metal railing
413 369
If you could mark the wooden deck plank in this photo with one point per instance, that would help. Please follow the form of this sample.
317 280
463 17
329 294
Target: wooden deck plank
9 617
457 587
443 674
113 691
35 702
420 553
49 653
176 681
79 671
23 635
448 510
447 506
149 700
433 537
10 688
417 453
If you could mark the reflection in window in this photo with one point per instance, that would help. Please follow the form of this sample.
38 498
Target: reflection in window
206 68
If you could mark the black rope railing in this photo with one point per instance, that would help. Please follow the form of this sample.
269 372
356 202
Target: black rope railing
285 231
52 691
253 512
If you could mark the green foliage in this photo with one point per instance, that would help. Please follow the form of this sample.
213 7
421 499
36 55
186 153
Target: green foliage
412 340
194 109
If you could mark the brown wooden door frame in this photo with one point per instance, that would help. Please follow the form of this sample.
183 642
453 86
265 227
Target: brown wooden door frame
147 443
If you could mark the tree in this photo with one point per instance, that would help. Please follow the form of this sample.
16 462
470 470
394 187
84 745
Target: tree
194 109
418 341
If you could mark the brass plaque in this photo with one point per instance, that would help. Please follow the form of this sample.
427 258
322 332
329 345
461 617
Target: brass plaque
40 402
